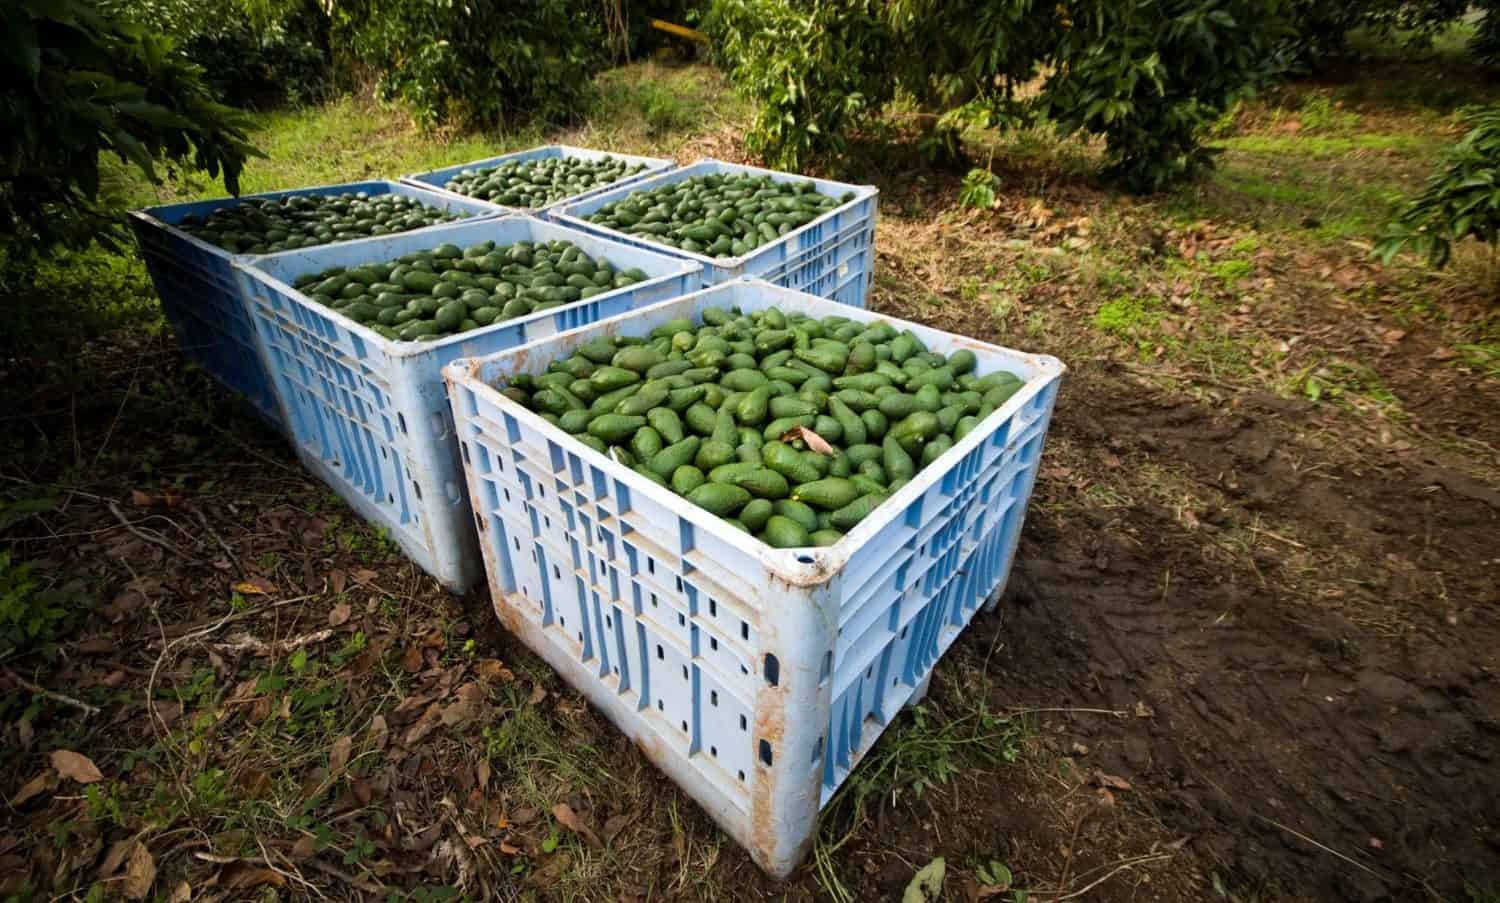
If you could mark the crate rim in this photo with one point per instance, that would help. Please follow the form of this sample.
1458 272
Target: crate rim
397 350
810 566
656 166
148 216
563 214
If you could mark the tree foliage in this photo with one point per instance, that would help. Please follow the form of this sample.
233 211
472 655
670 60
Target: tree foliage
482 62
1322 28
1145 75
83 84
1462 200
254 53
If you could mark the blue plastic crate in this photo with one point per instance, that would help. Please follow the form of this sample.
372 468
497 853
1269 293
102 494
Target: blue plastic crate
832 257
369 416
202 297
437 180
756 678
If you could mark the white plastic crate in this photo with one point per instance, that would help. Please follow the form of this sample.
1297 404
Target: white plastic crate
437 180
832 257
369 416
202 298
756 678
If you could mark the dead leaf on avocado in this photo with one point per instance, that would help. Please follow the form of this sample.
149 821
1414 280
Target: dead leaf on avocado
814 441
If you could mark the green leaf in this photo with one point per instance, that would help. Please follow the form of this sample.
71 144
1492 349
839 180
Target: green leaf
927 885
18 44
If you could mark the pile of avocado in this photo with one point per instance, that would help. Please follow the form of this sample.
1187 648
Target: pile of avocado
429 295
536 183
790 428
265 226
718 215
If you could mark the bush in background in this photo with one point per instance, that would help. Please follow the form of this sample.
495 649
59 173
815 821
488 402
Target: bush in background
252 55
82 84
1148 76
1462 200
484 63
1321 29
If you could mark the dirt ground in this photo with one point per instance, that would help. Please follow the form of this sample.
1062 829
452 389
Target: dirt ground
1250 649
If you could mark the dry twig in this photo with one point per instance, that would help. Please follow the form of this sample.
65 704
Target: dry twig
51 694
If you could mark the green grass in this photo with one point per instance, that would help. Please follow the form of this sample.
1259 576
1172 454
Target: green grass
1129 317
1325 147
1481 358
924 752
1324 201
659 105
1232 271
1318 114
1449 45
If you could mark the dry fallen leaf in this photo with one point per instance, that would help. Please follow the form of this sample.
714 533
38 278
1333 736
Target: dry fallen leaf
241 876
509 850
425 725
116 856
140 873
569 819
363 790
75 767
378 732
470 705
364 575
411 659
338 580
617 823
182 893
255 586
340 615
482 774
42 783
168 712
338 757
1109 780
814 441
305 847
538 693
490 670
140 499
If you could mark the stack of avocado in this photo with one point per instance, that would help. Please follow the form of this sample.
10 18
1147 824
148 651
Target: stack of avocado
726 215
429 295
790 428
537 183
265 226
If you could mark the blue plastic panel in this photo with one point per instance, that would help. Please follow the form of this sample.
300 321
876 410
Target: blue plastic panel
369 416
832 257
756 678
202 298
